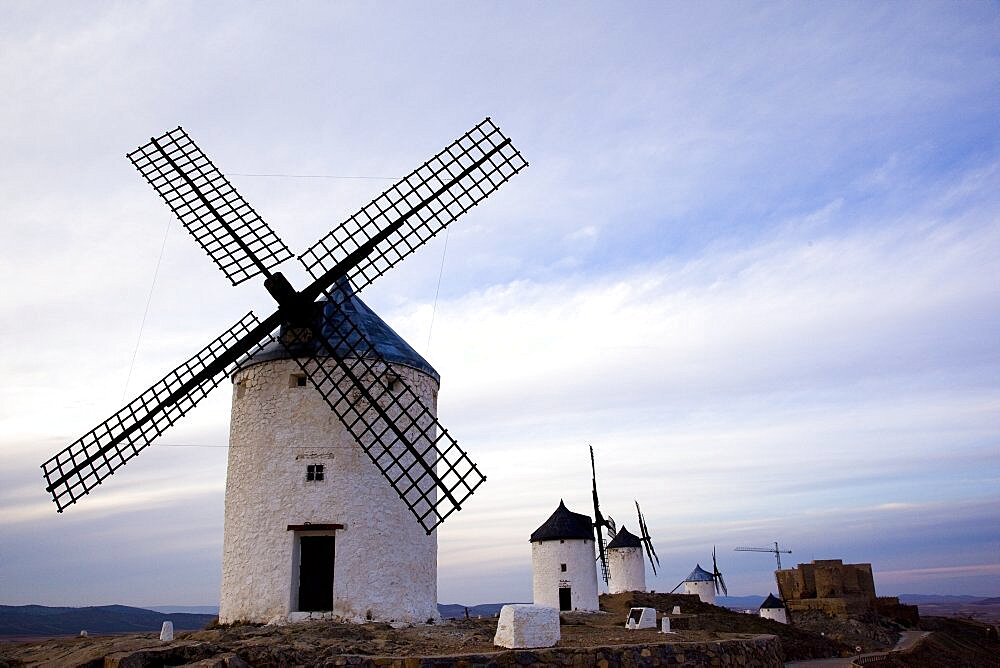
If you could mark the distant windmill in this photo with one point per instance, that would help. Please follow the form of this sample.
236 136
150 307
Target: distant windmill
774 550
600 522
647 541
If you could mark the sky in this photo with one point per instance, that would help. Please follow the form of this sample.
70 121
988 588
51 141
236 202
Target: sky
754 261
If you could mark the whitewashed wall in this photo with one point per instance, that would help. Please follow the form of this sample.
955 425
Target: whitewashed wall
386 565
704 590
580 574
626 570
777 614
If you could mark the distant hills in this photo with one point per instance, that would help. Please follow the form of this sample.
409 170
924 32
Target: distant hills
29 621
40 620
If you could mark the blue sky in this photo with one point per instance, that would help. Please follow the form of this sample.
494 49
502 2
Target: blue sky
754 262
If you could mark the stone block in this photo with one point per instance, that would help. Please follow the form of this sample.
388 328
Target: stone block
641 618
298 616
167 632
524 626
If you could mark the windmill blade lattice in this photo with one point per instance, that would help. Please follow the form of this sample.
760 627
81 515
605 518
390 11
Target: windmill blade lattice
422 462
88 461
411 212
647 540
220 220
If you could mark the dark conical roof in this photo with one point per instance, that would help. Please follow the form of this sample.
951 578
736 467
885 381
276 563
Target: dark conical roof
564 524
699 574
355 312
771 601
624 538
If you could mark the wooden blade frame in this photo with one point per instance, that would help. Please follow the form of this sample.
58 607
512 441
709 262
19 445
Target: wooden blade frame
73 472
220 220
600 524
416 208
401 436
647 540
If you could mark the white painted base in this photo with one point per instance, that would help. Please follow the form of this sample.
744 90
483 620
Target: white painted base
777 614
646 618
524 626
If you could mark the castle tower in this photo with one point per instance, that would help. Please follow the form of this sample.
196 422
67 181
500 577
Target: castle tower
312 528
773 608
564 568
626 565
700 582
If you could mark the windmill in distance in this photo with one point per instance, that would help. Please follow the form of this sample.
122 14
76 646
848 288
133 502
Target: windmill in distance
363 437
601 523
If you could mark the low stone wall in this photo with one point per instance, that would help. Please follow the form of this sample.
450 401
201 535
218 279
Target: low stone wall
760 652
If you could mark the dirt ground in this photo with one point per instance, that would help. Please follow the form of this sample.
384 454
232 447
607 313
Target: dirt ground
316 643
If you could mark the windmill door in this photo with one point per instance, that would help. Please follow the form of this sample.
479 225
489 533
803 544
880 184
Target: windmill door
316 573
565 598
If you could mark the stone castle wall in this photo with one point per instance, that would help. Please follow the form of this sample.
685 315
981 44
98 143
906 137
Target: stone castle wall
829 586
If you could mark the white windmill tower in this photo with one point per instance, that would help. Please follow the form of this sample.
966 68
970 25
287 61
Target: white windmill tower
773 608
335 444
706 585
564 570
626 567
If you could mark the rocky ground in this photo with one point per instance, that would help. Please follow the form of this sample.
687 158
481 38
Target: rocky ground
319 643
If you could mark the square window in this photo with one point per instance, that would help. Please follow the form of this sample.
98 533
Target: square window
314 472
297 380
562 567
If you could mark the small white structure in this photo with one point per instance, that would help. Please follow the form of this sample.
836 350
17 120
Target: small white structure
167 631
521 626
702 583
641 618
312 528
626 564
773 608
665 625
564 569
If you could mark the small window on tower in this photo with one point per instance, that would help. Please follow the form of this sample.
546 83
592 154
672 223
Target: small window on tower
562 567
314 472
297 380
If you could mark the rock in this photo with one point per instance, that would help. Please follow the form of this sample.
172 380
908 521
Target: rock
83 634
167 632
298 616
641 618
523 626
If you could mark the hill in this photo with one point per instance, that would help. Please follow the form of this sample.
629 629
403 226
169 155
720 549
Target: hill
32 621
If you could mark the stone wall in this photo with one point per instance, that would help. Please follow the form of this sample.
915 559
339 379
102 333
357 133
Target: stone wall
759 652
829 586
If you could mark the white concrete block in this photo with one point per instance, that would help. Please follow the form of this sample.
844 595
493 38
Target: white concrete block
641 618
523 626
677 610
298 616
665 625
167 632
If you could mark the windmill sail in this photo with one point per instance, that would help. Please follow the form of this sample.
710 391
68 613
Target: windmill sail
240 243
647 541
87 462
600 522
419 458
416 208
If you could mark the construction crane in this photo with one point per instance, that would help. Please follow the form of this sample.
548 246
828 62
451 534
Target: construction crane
774 550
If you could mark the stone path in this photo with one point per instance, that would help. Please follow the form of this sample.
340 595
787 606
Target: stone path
907 639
